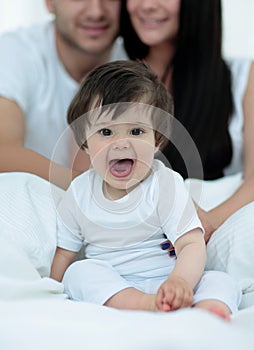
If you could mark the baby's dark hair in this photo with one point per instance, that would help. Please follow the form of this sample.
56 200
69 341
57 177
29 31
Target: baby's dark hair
116 82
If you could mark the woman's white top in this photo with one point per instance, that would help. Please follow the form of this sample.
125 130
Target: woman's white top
240 69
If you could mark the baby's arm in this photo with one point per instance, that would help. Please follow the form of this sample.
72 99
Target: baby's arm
177 291
62 260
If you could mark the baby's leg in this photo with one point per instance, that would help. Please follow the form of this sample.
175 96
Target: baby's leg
93 281
132 299
218 293
98 282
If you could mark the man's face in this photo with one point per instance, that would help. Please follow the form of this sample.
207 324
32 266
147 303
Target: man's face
89 26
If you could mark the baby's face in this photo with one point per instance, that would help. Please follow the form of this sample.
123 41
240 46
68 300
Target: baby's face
122 151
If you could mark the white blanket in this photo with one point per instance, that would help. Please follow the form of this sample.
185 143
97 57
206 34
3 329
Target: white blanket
36 315
53 325
231 247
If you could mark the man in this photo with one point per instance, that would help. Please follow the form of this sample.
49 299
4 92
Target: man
40 69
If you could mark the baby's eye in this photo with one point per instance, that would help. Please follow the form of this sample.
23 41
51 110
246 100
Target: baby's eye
136 132
105 132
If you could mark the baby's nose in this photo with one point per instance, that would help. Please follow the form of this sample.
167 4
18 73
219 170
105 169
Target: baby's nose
121 144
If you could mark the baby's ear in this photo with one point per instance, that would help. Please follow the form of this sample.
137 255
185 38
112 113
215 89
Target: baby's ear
156 149
50 6
85 148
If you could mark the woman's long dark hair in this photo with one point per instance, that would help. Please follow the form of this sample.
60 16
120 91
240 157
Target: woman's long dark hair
201 84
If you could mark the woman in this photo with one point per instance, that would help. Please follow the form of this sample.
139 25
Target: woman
181 41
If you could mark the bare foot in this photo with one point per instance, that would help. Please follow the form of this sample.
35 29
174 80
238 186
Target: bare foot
216 307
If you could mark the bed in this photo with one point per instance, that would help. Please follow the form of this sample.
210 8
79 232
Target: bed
36 314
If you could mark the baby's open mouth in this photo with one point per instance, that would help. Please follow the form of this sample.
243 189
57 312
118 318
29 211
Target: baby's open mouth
121 167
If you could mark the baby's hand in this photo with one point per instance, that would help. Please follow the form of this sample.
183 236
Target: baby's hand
173 294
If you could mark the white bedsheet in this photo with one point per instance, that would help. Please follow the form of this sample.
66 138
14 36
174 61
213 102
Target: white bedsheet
35 314
53 325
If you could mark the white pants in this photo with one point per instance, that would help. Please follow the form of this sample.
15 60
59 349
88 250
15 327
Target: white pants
96 281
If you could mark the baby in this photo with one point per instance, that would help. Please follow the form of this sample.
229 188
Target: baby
125 205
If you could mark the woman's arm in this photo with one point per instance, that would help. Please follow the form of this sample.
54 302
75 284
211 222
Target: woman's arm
212 219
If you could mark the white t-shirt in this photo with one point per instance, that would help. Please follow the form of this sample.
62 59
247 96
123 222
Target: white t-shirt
240 69
127 232
33 76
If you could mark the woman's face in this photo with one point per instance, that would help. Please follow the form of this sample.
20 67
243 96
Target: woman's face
155 21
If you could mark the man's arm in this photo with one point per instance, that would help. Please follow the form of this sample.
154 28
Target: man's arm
62 260
13 155
12 126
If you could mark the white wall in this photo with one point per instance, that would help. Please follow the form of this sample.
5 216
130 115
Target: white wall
238 23
15 13
238 27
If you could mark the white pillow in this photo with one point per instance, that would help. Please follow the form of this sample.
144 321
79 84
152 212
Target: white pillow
231 247
28 217
19 280
209 194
